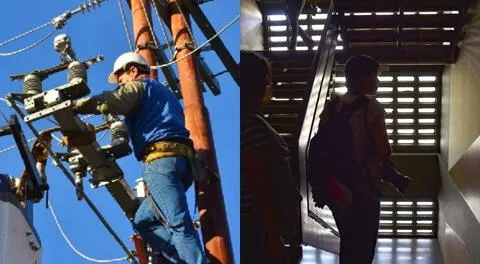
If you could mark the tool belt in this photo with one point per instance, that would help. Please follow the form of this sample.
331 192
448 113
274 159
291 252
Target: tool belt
163 149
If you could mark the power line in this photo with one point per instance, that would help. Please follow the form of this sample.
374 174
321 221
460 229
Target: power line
29 46
73 247
14 146
160 20
58 22
102 136
186 22
4 116
87 117
21 106
33 139
149 23
125 27
25 33
199 47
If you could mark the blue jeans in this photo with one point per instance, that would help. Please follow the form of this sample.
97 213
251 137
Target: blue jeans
358 228
168 178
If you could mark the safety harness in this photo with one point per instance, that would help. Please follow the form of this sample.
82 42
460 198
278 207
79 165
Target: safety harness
163 149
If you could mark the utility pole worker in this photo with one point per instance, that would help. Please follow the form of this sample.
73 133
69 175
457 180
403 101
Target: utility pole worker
156 125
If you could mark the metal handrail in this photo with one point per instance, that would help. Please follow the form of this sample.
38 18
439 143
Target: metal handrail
322 68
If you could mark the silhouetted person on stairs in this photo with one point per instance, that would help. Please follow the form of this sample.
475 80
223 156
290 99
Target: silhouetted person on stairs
352 144
269 198
293 10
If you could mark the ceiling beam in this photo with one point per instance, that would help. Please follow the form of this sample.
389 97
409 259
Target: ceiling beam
411 54
396 5
439 35
406 21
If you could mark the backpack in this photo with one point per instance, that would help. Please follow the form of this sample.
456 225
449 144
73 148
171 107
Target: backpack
5 184
331 153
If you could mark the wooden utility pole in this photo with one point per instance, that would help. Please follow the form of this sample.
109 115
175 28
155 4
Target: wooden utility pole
210 198
143 36
142 33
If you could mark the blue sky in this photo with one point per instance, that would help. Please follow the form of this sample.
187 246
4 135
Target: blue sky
100 31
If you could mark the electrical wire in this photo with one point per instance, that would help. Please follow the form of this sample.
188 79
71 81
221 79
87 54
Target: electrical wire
30 46
58 22
102 136
25 33
21 106
14 146
125 27
186 22
4 116
73 247
165 35
87 117
149 23
199 47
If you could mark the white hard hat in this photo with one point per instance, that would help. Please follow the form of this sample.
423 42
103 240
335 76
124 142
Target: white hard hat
124 59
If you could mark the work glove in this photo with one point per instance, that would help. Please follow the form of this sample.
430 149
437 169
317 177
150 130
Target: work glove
77 105
92 105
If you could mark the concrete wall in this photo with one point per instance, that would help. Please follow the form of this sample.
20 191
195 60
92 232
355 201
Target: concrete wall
251 27
459 210
466 175
422 168
453 248
458 228
463 121
445 114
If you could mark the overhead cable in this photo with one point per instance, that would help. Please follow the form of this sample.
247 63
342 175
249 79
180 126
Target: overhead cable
125 27
199 47
31 46
149 23
25 33
160 20
186 22
58 22
73 247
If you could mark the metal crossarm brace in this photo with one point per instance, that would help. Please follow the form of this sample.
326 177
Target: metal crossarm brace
205 73
70 178
44 73
216 43
167 71
104 169
211 81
